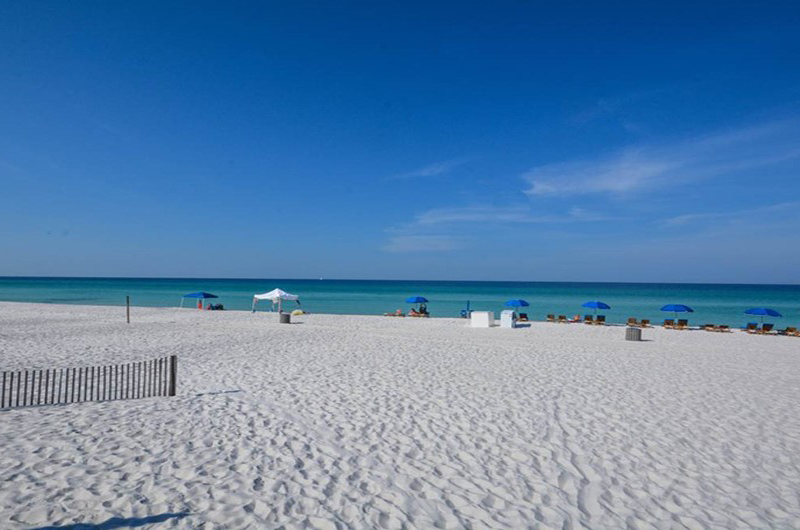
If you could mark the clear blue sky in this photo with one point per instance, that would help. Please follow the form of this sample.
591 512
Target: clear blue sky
449 140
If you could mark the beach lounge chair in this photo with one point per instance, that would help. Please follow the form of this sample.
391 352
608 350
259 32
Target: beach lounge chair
588 319
601 320
709 327
562 319
523 317
682 324
788 331
723 329
669 323
765 329
751 327
645 323
633 322
551 318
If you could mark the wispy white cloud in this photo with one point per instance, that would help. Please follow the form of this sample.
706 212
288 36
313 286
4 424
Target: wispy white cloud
638 168
446 229
432 170
741 214
422 243
502 214
626 172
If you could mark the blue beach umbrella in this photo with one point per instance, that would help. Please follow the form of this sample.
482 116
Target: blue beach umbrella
763 312
596 304
416 300
677 308
200 295
516 303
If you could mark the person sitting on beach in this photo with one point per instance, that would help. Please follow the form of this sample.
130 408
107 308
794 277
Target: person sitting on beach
414 313
423 309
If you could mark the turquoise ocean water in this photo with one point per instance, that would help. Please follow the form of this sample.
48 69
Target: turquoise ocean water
719 304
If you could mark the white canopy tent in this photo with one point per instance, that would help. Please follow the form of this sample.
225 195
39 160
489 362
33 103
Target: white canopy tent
276 296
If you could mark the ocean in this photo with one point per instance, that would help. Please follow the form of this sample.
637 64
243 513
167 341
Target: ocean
713 303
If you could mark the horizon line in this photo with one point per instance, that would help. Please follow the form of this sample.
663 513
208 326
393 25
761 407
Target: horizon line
388 280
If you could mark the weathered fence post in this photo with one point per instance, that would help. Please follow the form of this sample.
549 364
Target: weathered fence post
173 373
128 309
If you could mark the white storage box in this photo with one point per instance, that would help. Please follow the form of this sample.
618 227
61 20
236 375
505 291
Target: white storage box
507 319
481 319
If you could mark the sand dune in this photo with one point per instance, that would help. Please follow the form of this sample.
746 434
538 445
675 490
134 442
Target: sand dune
373 422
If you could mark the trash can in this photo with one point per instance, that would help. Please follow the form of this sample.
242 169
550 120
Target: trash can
633 334
507 319
286 318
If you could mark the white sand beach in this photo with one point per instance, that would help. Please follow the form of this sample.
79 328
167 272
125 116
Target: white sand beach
375 422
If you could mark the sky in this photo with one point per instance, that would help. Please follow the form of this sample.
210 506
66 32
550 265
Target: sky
401 140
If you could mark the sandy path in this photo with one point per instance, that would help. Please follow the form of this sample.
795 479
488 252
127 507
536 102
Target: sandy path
344 421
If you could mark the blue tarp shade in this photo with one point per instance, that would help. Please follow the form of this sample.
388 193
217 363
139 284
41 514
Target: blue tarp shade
200 294
763 312
416 300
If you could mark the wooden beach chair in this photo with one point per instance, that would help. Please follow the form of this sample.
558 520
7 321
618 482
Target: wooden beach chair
588 319
682 324
766 329
633 322
669 323
752 327
600 320
562 319
523 317
551 318
709 327
645 323
788 331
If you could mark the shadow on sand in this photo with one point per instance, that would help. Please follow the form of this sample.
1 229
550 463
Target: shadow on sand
118 522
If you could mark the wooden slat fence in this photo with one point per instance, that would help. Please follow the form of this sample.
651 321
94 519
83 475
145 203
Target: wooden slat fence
25 388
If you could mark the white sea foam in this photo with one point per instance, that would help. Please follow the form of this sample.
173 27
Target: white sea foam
346 421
